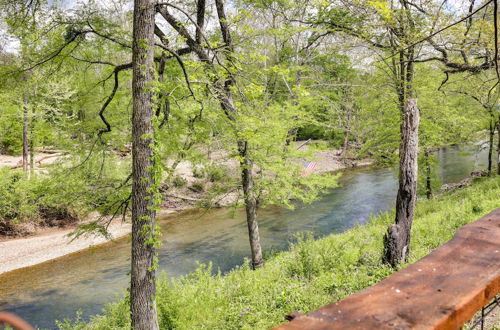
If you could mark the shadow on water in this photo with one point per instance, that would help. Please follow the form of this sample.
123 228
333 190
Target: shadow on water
88 279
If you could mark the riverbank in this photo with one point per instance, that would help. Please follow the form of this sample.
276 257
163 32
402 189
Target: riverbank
52 243
311 274
192 186
33 243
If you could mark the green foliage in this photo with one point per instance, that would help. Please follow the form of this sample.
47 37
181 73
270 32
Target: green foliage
428 166
216 173
197 186
311 274
179 181
198 172
312 132
66 193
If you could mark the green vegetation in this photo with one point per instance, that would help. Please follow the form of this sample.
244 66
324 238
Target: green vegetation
308 276
223 91
179 181
67 194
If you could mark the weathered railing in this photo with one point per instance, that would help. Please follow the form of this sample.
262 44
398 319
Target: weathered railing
13 321
444 290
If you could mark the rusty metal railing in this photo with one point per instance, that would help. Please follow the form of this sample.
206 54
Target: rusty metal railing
485 312
13 321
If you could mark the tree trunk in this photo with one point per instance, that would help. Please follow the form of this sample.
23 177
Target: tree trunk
32 144
32 122
397 238
345 143
498 146
490 149
250 205
428 185
25 132
143 284
222 86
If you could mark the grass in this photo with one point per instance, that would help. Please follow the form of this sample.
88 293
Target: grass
311 274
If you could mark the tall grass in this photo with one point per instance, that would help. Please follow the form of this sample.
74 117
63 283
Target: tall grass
311 274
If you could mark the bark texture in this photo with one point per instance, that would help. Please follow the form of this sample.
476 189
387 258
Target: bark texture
498 145
25 133
397 238
143 285
32 142
250 205
428 184
490 148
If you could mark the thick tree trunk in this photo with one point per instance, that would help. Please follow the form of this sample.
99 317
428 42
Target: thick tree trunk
250 205
25 133
428 185
397 238
490 148
143 284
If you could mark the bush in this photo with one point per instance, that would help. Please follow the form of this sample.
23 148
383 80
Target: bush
63 195
215 173
312 132
198 172
197 186
179 181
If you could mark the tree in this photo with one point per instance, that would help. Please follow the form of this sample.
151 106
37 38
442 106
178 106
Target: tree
447 118
482 88
257 122
391 27
143 279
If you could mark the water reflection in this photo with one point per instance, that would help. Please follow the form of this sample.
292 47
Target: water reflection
87 280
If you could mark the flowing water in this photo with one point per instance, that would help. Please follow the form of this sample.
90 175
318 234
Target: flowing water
86 280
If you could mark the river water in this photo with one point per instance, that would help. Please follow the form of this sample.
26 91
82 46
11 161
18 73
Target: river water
86 280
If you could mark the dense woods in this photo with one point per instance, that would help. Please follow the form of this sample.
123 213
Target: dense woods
133 104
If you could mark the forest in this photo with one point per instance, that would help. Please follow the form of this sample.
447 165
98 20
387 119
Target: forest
117 113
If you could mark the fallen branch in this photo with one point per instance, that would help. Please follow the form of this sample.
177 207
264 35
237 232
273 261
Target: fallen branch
303 144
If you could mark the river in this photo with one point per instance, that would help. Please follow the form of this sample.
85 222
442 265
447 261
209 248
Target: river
86 280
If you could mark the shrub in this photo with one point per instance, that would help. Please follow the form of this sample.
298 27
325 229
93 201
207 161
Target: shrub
197 186
215 173
63 195
198 172
179 181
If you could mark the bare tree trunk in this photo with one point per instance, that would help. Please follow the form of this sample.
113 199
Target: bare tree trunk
25 132
348 114
428 185
490 149
32 145
143 280
397 238
345 143
498 146
250 205
32 122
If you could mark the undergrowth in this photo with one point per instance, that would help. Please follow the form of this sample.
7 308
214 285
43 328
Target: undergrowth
62 194
311 274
